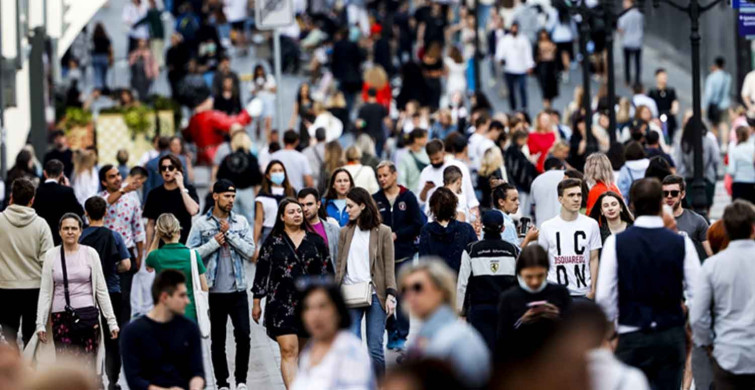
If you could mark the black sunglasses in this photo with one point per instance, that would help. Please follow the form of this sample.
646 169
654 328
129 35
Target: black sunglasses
166 168
673 193
415 288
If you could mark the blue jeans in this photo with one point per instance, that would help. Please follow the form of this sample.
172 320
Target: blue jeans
100 64
517 81
375 321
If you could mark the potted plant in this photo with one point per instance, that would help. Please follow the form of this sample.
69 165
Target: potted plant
79 128
138 121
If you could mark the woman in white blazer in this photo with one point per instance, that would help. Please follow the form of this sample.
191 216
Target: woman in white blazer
86 290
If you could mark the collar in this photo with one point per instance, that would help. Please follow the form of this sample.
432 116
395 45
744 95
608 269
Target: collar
649 222
442 316
231 217
51 181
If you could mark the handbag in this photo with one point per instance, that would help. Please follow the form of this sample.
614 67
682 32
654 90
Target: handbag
79 319
357 295
201 298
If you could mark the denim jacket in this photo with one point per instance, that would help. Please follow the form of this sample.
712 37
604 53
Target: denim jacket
240 237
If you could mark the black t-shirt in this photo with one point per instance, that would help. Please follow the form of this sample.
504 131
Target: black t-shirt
161 354
373 115
101 45
160 200
65 156
664 98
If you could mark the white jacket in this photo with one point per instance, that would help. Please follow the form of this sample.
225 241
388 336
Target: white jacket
44 353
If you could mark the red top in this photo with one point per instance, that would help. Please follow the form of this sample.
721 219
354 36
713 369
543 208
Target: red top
596 191
383 94
541 143
207 129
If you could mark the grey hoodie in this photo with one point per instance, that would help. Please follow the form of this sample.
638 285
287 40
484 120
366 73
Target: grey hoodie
24 240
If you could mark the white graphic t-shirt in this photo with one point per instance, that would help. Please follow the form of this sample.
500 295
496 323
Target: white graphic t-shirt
568 244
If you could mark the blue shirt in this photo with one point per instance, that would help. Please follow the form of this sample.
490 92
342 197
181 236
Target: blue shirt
509 231
717 90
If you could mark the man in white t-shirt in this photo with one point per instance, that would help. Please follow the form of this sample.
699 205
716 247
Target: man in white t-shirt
572 241
298 171
452 179
544 191
432 176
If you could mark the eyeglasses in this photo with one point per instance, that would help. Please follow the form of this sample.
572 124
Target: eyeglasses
166 168
415 288
673 193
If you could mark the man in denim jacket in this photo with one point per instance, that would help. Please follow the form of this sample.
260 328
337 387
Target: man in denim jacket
224 240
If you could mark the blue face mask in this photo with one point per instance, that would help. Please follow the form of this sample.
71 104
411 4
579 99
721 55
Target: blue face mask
527 288
277 177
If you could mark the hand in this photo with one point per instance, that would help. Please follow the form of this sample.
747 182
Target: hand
255 257
42 336
220 238
256 313
494 182
114 334
64 181
180 180
590 295
532 234
394 236
224 226
429 186
131 185
390 305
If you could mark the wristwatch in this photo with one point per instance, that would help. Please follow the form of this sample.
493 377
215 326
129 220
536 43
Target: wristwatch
185 191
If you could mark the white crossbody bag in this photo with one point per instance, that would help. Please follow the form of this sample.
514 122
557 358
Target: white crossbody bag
201 298
357 295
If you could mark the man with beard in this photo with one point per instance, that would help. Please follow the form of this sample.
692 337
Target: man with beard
328 230
689 223
224 241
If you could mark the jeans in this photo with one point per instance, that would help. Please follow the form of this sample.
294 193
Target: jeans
19 305
375 321
235 305
637 54
398 328
100 64
112 347
518 81
484 318
660 355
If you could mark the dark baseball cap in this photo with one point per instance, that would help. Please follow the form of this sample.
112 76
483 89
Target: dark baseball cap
492 219
223 185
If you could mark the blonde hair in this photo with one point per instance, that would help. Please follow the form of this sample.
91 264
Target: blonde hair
337 100
559 145
353 154
492 160
241 140
365 144
83 161
167 226
376 77
441 276
333 156
625 107
598 169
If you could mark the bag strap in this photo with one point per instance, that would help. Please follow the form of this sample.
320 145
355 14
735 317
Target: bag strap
194 270
65 276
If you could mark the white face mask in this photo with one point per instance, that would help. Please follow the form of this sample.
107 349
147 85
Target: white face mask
527 288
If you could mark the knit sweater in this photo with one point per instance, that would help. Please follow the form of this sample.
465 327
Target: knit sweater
24 240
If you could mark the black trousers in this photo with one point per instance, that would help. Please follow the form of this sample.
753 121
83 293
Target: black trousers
637 54
725 380
19 310
112 347
236 306
484 318
660 355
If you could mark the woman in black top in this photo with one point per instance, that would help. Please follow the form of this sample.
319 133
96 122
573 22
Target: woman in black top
528 313
227 100
102 56
291 251
612 214
433 70
304 110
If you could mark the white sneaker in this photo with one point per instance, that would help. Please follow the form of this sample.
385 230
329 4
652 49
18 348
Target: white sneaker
224 388
241 386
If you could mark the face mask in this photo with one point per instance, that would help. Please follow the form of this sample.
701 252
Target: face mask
438 165
277 177
260 80
527 288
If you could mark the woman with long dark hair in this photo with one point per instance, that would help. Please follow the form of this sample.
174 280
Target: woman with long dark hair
365 257
547 68
274 188
334 201
291 251
612 214
304 111
102 56
685 158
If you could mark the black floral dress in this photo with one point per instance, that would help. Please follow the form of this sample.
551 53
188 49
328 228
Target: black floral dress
278 269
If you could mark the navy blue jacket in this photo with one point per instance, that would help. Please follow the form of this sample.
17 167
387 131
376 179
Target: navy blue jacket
446 242
404 218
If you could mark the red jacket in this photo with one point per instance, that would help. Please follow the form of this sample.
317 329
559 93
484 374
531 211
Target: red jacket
383 94
207 130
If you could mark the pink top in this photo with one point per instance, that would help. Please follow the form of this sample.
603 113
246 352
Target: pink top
79 281
320 229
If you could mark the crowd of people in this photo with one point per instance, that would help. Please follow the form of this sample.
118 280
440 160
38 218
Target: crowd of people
397 194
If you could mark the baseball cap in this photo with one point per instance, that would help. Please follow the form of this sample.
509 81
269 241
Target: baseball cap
492 219
223 185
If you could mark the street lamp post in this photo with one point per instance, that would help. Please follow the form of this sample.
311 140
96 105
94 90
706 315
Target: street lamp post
609 18
584 31
696 192
477 56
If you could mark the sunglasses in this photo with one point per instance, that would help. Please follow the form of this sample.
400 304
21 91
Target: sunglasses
166 168
415 288
673 193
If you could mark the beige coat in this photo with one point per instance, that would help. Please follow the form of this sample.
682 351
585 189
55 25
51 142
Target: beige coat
382 268
41 354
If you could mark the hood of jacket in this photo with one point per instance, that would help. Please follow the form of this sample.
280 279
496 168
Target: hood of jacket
20 216
638 167
444 233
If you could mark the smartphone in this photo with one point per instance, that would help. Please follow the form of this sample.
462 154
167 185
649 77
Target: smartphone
524 226
536 303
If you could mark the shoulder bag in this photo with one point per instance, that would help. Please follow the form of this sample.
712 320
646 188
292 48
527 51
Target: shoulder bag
78 319
201 298
357 295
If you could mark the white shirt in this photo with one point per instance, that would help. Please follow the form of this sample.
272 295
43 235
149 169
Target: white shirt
478 147
296 164
358 259
645 100
363 176
544 193
85 185
607 289
133 14
435 175
345 366
516 52
748 87
609 373
569 244
269 206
